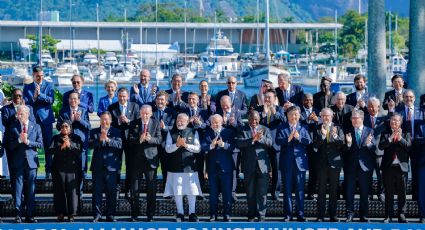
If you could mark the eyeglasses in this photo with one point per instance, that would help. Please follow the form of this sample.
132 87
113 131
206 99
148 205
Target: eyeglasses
76 82
231 83
17 95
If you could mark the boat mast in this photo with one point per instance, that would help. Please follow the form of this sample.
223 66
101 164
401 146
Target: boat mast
258 27
336 43
267 34
185 32
40 34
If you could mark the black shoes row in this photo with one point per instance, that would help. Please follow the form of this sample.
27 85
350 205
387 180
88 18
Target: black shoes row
29 220
214 218
192 217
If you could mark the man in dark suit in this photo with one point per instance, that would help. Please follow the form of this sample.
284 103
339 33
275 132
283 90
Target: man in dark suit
219 144
288 93
412 116
144 92
358 99
359 164
123 112
342 111
80 126
145 137
166 117
177 98
323 98
420 164
25 139
329 142
310 118
254 140
394 98
272 116
378 123
8 116
40 96
395 165
86 97
237 97
258 99
293 138
106 161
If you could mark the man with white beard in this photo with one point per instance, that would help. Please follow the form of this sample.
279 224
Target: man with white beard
182 145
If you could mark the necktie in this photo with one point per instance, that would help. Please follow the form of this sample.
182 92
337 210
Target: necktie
161 114
24 128
254 132
268 118
409 114
144 92
358 136
372 121
395 140
145 128
123 111
232 95
328 135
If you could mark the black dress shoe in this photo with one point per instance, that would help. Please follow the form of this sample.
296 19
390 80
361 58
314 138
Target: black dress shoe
110 219
200 198
150 219
320 219
402 219
213 218
30 220
301 219
227 218
334 219
287 219
96 219
349 218
179 218
48 176
193 218
422 220
364 219
71 218
382 198
261 219
18 220
133 219
127 195
60 218
387 220
251 220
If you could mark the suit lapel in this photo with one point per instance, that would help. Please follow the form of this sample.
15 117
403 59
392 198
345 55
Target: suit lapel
363 136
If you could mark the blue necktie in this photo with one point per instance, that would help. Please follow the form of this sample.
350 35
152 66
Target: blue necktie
358 136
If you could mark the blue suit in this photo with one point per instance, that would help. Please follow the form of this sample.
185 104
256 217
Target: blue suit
239 101
145 95
104 104
295 95
86 100
80 128
25 164
293 165
43 112
359 163
420 164
105 164
220 168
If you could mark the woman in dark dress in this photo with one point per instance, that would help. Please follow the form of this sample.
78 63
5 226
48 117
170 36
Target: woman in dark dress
66 167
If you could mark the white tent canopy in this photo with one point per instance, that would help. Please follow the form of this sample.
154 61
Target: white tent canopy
80 45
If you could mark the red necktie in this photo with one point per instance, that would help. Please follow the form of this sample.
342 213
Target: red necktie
24 129
145 128
254 132
395 140
409 114
372 119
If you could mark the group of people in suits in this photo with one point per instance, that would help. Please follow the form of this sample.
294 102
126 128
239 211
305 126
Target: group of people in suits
196 137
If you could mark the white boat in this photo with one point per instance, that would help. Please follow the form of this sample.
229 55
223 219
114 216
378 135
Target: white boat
111 61
87 74
90 59
252 78
19 76
64 73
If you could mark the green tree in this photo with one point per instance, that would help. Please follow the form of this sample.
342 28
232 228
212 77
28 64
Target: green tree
352 35
49 43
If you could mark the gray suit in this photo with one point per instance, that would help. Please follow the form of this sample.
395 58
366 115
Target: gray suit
255 166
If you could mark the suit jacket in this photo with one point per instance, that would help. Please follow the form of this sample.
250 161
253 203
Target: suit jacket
221 156
104 104
343 120
296 93
329 153
294 151
417 117
25 154
42 106
212 108
422 101
352 98
202 114
80 128
143 97
254 154
273 122
419 143
360 154
182 104
106 155
8 117
320 101
67 160
239 102
238 119
169 117
381 124
391 95
400 148
254 102
146 153
132 113
86 100
309 123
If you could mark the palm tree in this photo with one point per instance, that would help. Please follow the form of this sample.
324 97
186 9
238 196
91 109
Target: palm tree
416 46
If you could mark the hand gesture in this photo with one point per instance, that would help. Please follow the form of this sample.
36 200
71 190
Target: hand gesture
334 131
177 98
349 138
136 89
162 124
154 89
66 141
37 91
369 139
323 130
313 117
224 119
272 109
196 120
391 104
291 135
181 142
232 120
399 98
23 136
123 119
148 137
296 134
142 138
78 116
214 142
287 105
361 103
220 142
103 135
